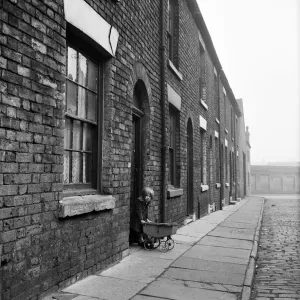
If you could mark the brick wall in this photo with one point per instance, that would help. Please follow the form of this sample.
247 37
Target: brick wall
39 252
32 87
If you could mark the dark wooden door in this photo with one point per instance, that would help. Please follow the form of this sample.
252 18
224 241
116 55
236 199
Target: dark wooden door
136 162
190 200
244 174
231 174
222 175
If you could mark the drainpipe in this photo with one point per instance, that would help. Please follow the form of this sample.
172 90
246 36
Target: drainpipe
220 144
236 158
163 112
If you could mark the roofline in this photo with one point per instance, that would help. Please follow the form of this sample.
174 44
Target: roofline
194 8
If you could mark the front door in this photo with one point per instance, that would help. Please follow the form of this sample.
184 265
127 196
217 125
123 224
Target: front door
244 175
190 202
231 175
222 176
136 160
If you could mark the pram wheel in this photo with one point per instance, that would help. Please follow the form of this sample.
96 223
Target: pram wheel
151 243
170 243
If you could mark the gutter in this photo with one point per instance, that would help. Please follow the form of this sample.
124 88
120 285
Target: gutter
163 113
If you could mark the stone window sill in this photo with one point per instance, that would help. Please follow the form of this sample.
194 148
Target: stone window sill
82 204
218 185
174 69
174 192
204 188
204 104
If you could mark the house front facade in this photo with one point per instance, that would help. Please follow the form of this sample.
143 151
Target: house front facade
98 100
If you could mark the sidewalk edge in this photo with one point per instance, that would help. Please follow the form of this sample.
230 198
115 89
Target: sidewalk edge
250 272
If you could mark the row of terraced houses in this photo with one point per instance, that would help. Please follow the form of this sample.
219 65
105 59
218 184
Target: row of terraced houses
100 98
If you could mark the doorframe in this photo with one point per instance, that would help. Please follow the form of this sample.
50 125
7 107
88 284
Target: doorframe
138 115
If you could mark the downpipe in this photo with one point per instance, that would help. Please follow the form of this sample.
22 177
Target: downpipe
163 113
220 144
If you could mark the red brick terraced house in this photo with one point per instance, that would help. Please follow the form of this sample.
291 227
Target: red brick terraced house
99 99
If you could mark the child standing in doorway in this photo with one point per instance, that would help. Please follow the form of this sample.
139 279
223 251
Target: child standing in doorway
139 215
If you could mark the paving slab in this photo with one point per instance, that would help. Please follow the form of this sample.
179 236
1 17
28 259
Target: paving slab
143 297
186 239
238 224
202 251
204 276
105 288
85 298
218 216
211 286
234 233
241 217
206 265
178 250
195 228
141 269
225 242
214 257
170 289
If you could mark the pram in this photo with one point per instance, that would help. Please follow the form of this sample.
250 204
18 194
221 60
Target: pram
159 235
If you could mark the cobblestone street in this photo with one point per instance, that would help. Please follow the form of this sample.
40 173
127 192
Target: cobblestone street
278 264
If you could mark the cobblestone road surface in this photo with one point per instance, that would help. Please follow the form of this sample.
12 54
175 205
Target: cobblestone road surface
278 265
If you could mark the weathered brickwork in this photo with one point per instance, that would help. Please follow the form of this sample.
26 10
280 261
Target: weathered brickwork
41 251
188 89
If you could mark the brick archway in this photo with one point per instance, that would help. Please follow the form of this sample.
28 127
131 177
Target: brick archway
139 78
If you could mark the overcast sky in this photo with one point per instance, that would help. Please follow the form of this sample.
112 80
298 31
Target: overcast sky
257 42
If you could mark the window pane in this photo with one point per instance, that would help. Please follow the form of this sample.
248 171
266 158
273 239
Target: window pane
71 97
82 70
91 106
66 167
172 130
72 64
76 135
75 167
92 76
67 133
87 167
87 137
171 164
81 102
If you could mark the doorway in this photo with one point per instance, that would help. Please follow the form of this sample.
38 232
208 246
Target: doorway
136 159
190 200
244 175
231 175
222 177
138 143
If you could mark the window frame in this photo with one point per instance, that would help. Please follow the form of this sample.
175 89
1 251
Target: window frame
174 123
170 29
216 94
202 72
202 162
92 54
217 159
